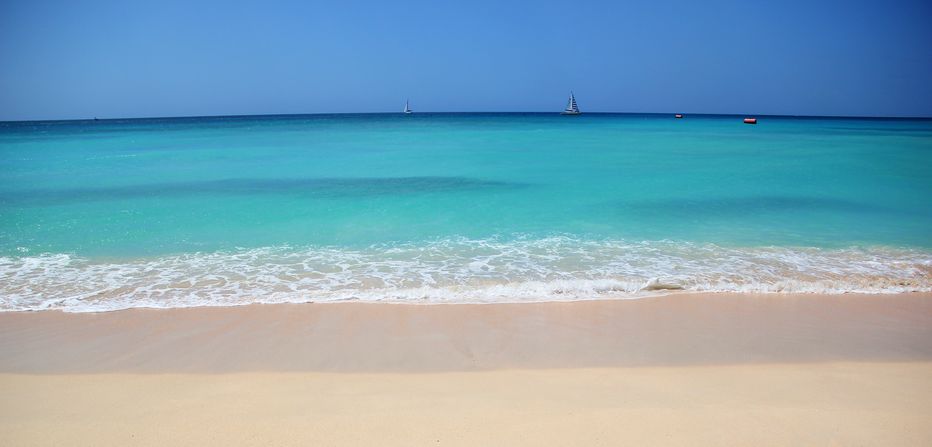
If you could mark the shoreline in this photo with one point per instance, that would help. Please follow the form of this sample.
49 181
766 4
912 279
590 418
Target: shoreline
452 270
649 294
679 329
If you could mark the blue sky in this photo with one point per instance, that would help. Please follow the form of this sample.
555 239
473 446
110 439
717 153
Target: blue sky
61 60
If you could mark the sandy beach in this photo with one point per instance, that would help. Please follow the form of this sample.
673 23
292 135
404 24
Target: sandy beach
683 369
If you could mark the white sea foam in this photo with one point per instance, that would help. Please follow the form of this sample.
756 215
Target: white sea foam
451 271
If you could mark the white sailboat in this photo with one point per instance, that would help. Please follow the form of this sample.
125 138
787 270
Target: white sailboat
571 107
408 107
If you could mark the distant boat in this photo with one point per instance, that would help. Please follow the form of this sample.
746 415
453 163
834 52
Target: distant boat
750 121
571 107
408 107
678 115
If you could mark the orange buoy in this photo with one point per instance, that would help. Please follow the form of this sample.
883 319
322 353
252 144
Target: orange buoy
750 121
678 115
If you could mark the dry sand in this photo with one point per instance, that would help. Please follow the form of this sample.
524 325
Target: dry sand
676 370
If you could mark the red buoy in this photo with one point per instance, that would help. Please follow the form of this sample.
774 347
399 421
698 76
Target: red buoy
750 121
678 115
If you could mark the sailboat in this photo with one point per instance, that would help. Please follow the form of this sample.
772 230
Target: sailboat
571 107
408 107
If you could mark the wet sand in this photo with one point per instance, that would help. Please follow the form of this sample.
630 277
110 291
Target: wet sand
676 370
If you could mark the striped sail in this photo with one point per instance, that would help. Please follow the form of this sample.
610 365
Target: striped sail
571 106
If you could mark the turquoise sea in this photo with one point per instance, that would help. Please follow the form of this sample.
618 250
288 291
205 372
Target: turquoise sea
111 214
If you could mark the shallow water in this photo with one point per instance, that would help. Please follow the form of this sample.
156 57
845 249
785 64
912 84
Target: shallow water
98 215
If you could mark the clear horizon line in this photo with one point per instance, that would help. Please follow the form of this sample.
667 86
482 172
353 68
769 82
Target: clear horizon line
901 117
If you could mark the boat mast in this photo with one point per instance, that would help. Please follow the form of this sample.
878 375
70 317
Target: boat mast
571 107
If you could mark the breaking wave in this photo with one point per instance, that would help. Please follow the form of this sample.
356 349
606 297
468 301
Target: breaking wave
456 270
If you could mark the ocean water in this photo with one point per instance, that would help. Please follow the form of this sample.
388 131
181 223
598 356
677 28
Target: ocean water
113 214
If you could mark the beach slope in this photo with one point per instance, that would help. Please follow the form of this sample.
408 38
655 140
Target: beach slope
676 370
